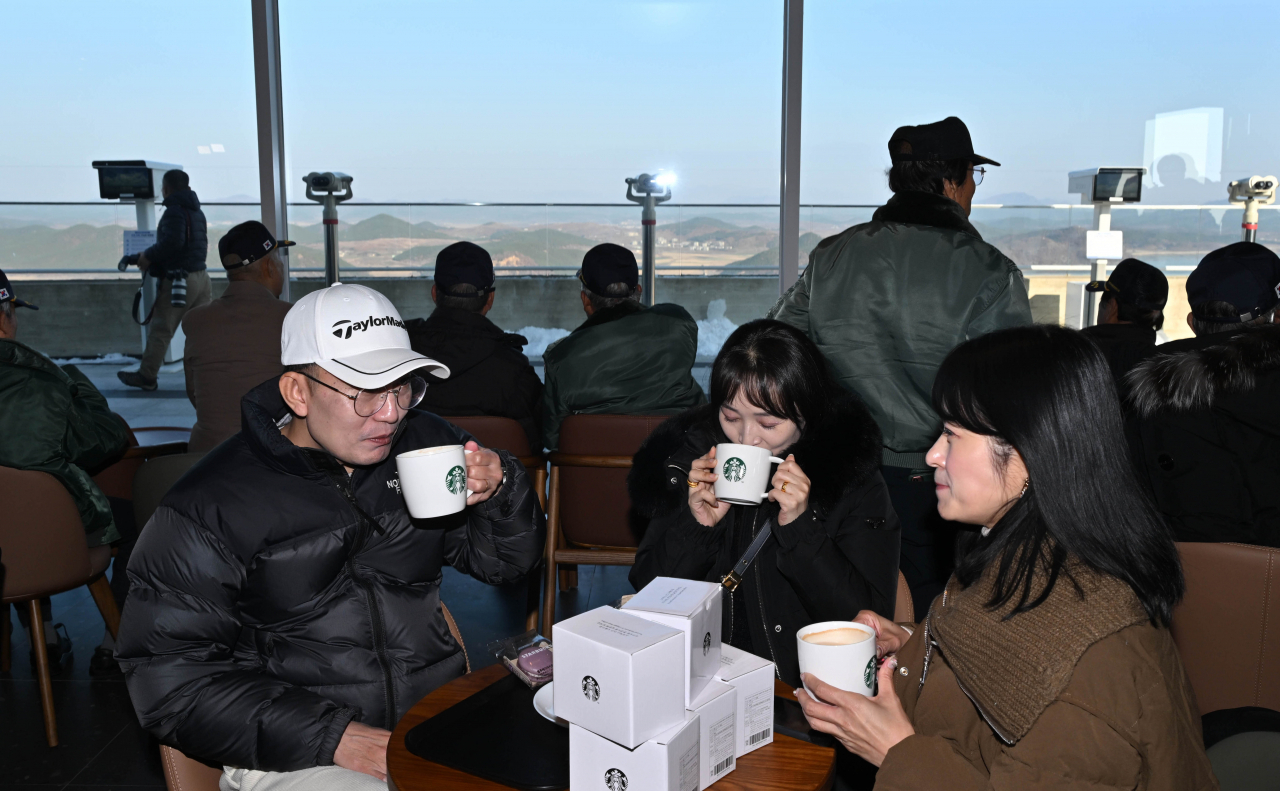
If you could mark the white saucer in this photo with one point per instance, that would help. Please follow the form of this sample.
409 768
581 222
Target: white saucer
542 704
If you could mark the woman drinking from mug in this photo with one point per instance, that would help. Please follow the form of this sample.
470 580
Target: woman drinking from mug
832 536
1047 662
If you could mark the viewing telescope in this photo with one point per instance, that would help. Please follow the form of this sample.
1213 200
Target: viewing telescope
649 190
329 189
1251 193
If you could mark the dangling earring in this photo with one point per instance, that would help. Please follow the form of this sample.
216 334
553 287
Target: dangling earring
1025 486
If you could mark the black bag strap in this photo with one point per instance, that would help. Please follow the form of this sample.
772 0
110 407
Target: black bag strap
734 577
137 304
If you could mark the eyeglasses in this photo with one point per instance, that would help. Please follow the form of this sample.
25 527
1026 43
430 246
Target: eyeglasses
978 173
370 402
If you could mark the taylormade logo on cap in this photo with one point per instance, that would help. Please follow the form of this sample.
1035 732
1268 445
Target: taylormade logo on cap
354 333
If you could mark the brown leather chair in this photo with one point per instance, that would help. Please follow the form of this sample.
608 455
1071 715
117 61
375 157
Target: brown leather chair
589 517
903 609
1232 599
43 549
182 773
144 443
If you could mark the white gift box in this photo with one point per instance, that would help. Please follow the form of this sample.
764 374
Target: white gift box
667 762
717 712
694 608
618 675
753 678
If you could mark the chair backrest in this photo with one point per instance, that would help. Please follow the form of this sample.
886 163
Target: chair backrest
595 510
187 774
154 480
1232 600
457 634
42 542
499 433
903 609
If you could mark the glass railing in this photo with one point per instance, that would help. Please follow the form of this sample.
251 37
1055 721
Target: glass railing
60 239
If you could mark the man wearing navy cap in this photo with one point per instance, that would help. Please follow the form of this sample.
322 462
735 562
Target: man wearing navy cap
1130 312
1206 431
887 300
489 373
625 359
233 343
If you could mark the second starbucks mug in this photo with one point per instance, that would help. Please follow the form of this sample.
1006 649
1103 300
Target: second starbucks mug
433 480
742 473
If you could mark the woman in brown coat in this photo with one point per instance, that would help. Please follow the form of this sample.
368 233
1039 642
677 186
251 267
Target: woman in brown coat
1047 662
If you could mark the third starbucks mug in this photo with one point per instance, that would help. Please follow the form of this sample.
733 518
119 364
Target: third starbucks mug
742 473
433 480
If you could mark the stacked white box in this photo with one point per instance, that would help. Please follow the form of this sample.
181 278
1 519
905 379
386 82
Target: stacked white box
695 609
667 762
753 678
619 676
717 711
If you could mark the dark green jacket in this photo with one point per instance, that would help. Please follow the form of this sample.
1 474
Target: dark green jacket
624 360
887 300
54 420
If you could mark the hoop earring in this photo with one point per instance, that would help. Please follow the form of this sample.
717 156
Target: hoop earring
1025 486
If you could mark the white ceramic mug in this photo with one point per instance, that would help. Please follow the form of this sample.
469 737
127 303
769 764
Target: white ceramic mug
851 667
434 480
742 473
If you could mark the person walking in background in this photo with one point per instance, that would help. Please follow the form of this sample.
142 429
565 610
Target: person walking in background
625 359
53 420
233 343
178 256
1130 313
489 374
1204 425
1048 663
886 301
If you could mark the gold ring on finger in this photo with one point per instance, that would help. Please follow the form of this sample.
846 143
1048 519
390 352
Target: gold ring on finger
692 484
784 485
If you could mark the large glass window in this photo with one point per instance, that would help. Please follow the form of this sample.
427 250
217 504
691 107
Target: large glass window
1047 88
511 102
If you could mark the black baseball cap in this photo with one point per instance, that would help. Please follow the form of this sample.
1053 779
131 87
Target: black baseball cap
1136 283
606 264
6 294
1246 274
464 262
246 243
936 142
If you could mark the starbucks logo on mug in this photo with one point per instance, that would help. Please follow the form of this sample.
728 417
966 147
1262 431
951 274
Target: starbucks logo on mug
455 480
706 644
615 780
869 673
591 690
735 469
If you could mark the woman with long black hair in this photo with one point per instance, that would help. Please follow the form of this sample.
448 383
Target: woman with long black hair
1047 662
832 543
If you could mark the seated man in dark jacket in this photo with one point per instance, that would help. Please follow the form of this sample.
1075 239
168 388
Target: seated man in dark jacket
1206 428
54 420
625 359
489 374
1130 313
285 610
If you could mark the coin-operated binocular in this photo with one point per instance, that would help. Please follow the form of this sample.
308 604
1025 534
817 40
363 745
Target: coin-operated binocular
1251 193
329 189
649 190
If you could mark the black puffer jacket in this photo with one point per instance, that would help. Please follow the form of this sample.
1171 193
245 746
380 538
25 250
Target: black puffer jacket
837 558
266 612
182 237
1205 431
488 372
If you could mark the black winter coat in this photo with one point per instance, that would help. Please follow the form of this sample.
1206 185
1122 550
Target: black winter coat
1124 346
837 558
273 600
182 237
488 372
1205 434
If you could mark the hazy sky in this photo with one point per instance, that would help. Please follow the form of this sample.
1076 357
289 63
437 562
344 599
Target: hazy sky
559 101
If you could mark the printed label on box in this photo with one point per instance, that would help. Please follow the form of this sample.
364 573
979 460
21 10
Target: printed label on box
689 769
758 718
721 751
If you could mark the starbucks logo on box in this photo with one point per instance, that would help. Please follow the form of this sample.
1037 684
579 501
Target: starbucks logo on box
455 480
591 691
615 780
735 469
706 644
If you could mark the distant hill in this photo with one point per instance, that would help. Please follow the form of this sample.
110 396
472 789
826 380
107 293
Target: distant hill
80 246
526 248
769 257
697 227
379 226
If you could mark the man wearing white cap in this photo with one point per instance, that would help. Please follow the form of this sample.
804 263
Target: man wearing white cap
284 608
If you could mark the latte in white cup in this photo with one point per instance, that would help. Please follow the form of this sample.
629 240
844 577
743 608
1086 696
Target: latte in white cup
433 480
839 653
742 473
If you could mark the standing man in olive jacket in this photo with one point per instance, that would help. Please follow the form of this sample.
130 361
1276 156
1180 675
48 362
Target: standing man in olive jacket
285 609
489 374
182 244
625 359
887 300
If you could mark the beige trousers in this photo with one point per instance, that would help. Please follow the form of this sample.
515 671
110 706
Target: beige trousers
166 319
320 778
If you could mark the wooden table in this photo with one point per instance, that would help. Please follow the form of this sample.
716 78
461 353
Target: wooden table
786 765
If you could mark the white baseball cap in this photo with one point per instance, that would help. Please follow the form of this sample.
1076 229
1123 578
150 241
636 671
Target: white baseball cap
354 333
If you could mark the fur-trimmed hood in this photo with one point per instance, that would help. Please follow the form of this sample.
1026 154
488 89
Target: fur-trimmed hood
1193 380
837 455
